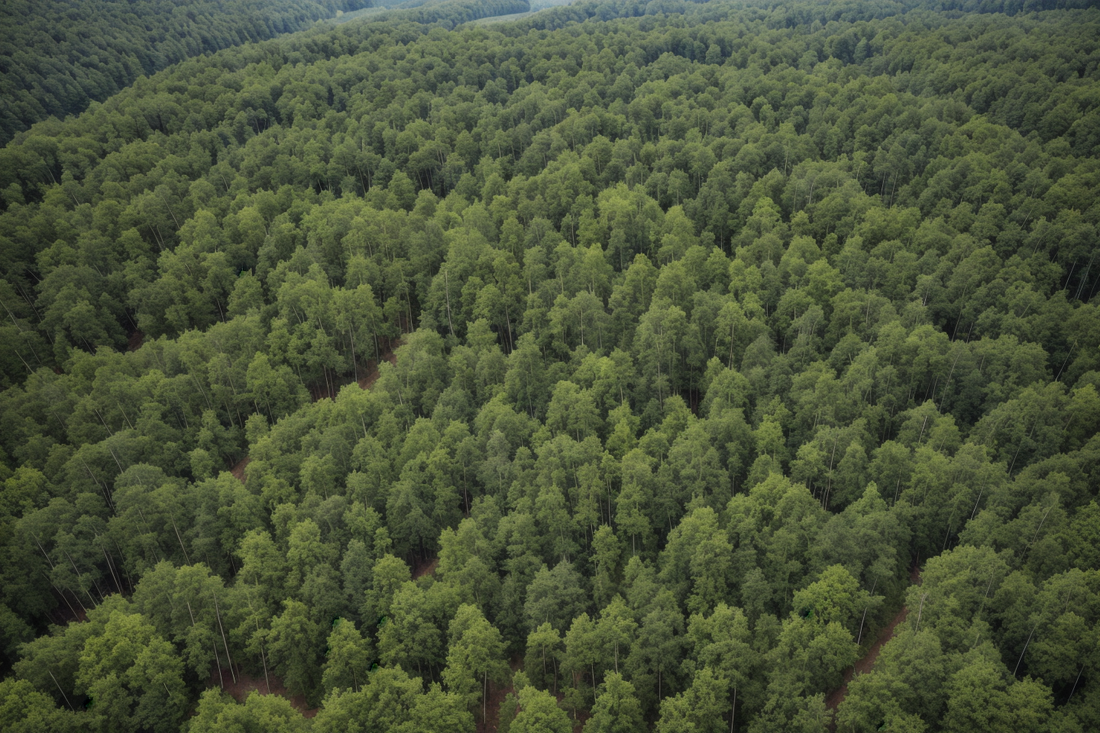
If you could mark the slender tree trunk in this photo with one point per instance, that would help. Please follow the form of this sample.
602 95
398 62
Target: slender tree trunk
218 664
225 643
66 697
111 567
1074 688
185 557
263 658
1021 659
354 364
447 290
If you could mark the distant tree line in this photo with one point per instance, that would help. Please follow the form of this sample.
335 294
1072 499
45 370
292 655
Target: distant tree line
57 56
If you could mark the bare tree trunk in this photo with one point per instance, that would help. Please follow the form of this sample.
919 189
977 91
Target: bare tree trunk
225 643
67 697
185 557
447 290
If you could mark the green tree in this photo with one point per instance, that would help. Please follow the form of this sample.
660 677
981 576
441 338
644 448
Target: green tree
347 658
24 709
652 664
555 596
544 652
616 710
134 675
217 711
476 650
539 713
615 631
978 697
409 636
699 708
722 642
295 644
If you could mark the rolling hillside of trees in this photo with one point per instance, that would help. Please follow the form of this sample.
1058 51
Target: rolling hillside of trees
57 56
626 367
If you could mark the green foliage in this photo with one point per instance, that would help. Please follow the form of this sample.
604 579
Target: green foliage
25 709
539 713
616 709
652 347
295 644
217 711
55 69
347 658
476 655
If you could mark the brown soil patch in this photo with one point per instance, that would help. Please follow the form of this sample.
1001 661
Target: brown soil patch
371 376
582 718
369 372
63 615
492 710
325 391
425 567
238 470
246 684
497 693
135 340
321 392
867 661
864 664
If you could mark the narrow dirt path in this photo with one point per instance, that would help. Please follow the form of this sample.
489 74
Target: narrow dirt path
246 684
865 663
368 380
365 382
497 694
238 470
425 567
369 372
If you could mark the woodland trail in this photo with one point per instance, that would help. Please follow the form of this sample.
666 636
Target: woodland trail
425 567
238 470
867 661
497 693
365 382
369 377
246 684
372 366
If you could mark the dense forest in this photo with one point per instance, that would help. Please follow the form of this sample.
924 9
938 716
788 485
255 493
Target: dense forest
632 366
56 56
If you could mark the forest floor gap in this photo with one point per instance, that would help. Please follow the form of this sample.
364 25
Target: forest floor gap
867 661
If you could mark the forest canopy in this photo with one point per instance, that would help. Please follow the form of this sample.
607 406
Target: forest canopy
628 366
56 56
